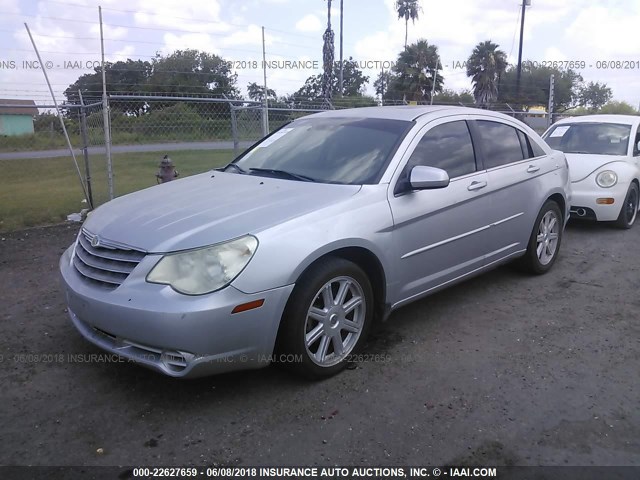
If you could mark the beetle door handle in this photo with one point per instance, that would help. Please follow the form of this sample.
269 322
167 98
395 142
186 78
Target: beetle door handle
533 169
476 186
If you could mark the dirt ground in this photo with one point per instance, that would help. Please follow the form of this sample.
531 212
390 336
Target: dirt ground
505 369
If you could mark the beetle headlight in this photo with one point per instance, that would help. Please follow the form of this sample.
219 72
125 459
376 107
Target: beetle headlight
607 179
204 270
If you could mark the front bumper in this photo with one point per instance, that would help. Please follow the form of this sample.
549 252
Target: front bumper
585 194
175 334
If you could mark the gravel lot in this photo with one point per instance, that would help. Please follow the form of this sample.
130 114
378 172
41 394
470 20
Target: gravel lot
504 369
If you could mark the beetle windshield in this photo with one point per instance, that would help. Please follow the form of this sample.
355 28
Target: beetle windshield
327 150
592 138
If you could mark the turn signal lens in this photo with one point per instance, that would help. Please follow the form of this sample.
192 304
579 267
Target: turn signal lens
605 201
248 306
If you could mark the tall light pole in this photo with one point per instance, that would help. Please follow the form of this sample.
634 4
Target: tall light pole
340 78
525 4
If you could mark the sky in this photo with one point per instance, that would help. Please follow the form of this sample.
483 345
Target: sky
594 32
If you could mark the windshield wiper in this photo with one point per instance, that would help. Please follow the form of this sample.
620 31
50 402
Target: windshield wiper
284 173
240 170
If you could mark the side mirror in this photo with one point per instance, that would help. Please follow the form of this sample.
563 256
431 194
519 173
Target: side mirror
423 178
637 147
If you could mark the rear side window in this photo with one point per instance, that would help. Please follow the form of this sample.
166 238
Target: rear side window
530 148
537 149
447 146
500 143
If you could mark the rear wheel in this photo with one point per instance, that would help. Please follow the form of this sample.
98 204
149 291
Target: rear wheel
629 210
545 240
326 319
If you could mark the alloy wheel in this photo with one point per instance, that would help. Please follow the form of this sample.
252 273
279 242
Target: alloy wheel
547 238
335 320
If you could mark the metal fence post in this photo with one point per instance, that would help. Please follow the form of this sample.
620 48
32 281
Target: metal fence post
234 130
551 100
106 115
85 149
265 119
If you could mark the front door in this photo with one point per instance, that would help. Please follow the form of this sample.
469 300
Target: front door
441 234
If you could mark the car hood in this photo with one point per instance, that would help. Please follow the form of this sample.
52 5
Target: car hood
581 165
208 208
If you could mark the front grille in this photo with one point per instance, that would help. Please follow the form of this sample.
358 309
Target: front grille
106 263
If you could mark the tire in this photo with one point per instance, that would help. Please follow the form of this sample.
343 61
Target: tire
316 331
629 210
544 242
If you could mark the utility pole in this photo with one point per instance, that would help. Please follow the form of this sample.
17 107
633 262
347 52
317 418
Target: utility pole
525 3
340 78
551 100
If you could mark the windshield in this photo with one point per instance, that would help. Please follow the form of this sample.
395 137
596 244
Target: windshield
593 138
351 151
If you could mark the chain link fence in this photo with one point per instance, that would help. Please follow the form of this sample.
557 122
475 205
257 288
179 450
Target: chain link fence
40 184
197 134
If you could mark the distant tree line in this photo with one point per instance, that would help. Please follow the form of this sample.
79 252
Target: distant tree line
415 77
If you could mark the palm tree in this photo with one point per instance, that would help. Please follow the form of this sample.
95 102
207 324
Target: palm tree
327 58
407 9
485 66
415 74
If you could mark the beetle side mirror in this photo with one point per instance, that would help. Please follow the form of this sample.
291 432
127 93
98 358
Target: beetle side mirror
424 178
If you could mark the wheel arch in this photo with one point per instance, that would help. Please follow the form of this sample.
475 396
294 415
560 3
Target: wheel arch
368 261
560 200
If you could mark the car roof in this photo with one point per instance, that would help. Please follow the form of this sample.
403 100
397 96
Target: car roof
623 119
407 112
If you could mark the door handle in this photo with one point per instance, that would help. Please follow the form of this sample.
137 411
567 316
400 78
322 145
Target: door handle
533 169
476 186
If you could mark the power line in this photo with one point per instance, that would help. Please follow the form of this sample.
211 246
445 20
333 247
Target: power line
74 20
173 17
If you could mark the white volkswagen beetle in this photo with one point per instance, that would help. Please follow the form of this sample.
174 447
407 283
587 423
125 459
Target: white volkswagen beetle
603 152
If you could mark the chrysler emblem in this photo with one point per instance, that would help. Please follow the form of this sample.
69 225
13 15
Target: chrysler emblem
95 241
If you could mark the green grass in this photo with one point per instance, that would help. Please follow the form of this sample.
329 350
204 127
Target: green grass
36 141
42 191
46 141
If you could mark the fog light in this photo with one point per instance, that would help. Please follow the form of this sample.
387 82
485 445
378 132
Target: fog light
605 201
176 361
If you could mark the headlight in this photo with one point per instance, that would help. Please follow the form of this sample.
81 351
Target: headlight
607 179
204 270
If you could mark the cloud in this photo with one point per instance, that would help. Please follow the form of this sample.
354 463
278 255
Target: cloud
194 15
605 31
309 23
10 6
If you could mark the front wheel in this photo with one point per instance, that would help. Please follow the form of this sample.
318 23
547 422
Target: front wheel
545 240
629 210
327 318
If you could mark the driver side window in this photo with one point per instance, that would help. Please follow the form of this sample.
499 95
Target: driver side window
447 146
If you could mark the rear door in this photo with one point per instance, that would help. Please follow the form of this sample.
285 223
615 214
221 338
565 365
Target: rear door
515 166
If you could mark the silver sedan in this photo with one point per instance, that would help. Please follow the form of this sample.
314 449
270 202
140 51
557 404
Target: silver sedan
291 252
